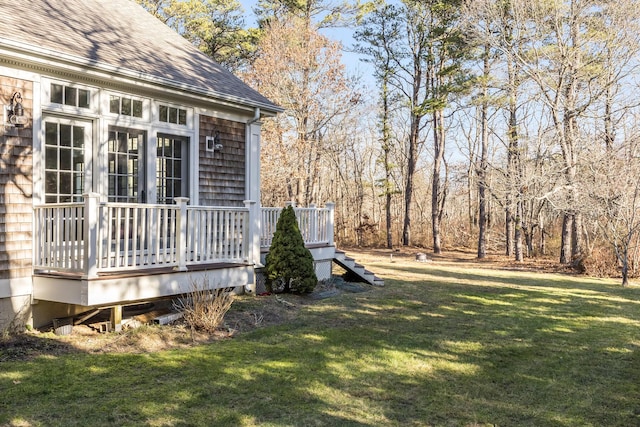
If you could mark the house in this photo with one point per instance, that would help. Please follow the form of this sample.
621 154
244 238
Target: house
129 168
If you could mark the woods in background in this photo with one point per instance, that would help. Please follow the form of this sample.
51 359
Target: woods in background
506 126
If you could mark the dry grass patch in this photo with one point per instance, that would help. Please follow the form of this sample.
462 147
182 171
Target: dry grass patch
202 308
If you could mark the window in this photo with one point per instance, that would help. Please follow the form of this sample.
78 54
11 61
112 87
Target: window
125 106
126 166
172 115
171 168
64 158
70 95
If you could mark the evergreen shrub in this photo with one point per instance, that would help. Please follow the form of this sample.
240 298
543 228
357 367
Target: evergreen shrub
289 264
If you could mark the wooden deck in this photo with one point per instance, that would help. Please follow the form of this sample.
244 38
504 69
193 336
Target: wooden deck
99 254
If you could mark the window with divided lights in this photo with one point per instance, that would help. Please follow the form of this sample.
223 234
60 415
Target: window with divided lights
64 158
125 106
173 115
126 166
171 178
70 95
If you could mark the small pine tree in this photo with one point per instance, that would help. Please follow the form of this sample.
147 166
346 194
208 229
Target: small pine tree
289 264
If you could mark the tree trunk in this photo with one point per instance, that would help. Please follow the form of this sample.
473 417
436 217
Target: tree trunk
482 170
482 223
542 242
519 255
528 239
513 154
436 186
388 218
408 191
414 138
625 273
577 248
508 227
386 147
565 244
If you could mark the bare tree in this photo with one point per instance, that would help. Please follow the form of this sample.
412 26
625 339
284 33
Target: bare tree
562 58
302 71
614 196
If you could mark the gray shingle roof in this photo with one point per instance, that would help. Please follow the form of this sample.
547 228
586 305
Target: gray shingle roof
119 35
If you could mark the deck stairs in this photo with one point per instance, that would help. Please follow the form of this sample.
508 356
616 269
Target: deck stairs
356 269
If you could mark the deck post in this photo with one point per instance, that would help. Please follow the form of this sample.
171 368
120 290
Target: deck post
313 224
331 222
252 240
116 318
91 201
181 233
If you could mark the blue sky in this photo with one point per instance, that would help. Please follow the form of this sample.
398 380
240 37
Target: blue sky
247 5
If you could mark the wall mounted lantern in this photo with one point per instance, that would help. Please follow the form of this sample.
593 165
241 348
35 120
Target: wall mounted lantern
15 111
213 142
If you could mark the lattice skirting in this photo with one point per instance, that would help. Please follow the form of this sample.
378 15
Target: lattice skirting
323 269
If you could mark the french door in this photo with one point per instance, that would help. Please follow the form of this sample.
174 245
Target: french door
126 161
171 168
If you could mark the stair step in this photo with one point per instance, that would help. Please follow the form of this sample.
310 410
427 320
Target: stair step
357 269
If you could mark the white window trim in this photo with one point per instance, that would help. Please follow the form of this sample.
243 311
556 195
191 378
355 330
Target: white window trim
105 107
99 114
171 127
94 100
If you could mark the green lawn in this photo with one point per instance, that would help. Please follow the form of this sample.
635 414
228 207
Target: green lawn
440 344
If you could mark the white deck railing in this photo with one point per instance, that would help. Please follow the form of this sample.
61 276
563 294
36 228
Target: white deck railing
217 234
59 237
90 238
316 224
136 236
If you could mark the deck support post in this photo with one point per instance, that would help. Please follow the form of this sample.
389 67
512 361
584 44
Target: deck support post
116 318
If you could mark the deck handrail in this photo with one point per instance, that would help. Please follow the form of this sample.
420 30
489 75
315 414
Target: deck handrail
217 234
315 224
91 237
59 237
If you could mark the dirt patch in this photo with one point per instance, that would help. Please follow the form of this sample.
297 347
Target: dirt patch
246 314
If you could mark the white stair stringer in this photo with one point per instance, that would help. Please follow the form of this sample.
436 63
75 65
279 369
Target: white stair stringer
359 270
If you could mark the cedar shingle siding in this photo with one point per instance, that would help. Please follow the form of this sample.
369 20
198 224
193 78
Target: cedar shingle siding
222 174
16 187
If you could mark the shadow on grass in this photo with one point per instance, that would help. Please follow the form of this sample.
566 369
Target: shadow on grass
27 347
457 348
